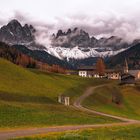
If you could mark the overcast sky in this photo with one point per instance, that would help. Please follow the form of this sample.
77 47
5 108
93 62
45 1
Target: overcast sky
98 17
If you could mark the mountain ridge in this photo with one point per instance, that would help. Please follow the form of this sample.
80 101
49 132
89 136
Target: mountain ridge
73 47
132 56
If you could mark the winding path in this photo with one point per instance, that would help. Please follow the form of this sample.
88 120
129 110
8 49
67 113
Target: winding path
87 93
5 135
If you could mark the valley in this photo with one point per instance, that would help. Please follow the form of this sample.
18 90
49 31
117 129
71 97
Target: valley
28 98
33 75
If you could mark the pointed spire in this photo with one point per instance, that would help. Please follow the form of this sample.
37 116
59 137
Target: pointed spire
126 66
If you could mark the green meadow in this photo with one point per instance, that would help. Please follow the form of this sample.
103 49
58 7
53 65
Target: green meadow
28 98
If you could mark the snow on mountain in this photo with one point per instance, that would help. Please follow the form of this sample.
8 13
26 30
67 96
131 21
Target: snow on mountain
80 53
77 44
72 44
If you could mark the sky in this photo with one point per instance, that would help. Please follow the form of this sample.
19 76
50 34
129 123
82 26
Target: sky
98 17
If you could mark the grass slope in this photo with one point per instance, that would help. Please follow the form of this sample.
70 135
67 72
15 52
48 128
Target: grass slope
28 98
129 107
114 133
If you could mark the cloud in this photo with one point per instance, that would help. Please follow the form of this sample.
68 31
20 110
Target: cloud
99 25
102 26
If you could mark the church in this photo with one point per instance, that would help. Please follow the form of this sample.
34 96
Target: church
127 77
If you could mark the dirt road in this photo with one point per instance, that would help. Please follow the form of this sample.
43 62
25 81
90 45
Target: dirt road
5 135
88 92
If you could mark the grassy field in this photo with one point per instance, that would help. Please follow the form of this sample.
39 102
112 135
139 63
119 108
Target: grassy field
113 133
28 98
128 96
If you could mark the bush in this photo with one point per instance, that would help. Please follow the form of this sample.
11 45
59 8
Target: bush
117 96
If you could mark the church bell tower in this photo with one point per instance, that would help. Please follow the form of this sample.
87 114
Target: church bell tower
125 66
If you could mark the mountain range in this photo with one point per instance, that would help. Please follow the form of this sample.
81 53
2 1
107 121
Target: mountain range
70 49
77 44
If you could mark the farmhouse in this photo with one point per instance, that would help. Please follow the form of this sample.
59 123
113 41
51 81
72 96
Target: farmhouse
127 78
87 71
90 71
113 74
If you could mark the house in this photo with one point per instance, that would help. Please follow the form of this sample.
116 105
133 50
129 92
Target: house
135 73
113 74
127 78
87 71
90 71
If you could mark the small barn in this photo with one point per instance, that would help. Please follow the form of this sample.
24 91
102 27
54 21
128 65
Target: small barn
135 73
127 78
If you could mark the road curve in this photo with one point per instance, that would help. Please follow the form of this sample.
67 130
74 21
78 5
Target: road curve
88 92
9 134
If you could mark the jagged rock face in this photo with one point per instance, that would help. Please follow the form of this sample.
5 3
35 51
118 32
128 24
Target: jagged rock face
15 33
73 38
72 44
80 38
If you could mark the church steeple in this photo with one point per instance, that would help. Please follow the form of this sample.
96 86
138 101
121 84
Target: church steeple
126 66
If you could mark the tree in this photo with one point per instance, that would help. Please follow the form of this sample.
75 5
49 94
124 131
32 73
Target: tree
117 96
100 67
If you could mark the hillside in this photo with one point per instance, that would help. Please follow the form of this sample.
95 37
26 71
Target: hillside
28 98
42 56
116 100
132 55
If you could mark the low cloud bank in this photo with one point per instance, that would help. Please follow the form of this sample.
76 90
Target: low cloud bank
98 26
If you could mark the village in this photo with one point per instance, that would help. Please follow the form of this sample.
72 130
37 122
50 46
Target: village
98 70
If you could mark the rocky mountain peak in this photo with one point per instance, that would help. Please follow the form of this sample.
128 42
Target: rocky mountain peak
70 44
71 38
69 31
14 22
15 33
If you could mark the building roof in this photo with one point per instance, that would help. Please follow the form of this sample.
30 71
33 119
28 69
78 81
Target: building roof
88 68
112 71
126 76
134 72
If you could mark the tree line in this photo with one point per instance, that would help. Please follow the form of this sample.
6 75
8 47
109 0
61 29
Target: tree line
18 58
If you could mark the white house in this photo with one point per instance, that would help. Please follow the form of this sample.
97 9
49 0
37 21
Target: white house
83 73
87 71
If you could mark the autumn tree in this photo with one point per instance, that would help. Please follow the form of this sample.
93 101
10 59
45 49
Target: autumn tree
100 67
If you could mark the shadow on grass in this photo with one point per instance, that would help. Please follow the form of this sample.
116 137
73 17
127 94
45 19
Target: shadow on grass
12 97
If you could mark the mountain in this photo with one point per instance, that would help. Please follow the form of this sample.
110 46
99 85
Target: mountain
132 55
77 44
42 56
14 33
69 49
21 55
72 44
